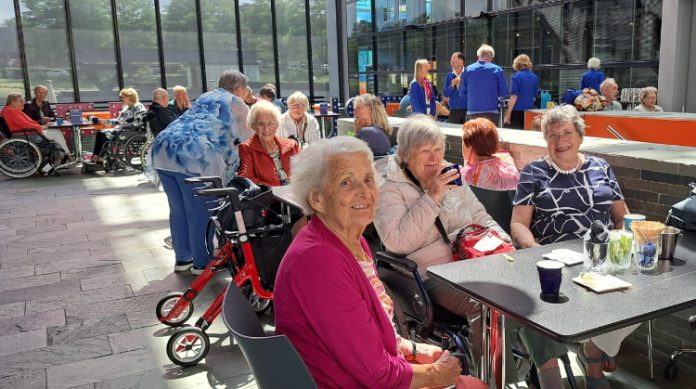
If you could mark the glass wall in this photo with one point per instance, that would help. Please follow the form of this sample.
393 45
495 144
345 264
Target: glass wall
559 36
146 44
95 54
137 32
11 74
46 46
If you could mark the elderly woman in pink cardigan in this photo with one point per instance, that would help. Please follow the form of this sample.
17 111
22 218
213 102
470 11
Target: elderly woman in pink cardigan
328 299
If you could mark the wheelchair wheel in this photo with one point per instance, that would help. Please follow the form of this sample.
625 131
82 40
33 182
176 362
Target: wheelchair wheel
109 160
19 158
188 346
133 152
166 304
258 304
145 151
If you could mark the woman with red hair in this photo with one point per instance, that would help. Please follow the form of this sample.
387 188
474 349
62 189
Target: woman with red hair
485 166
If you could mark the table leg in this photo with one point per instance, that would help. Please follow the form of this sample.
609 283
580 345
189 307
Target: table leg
503 349
650 351
77 140
485 344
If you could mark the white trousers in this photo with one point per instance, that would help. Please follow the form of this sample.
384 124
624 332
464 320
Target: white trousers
57 136
610 343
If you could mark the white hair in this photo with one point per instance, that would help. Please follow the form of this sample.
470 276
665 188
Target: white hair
299 97
259 107
485 50
563 114
310 168
644 92
606 83
594 63
416 131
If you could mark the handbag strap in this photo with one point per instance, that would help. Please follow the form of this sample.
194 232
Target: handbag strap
438 222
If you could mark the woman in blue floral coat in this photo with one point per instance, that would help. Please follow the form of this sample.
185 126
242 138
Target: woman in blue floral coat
201 142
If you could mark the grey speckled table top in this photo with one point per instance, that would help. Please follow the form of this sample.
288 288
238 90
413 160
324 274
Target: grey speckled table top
513 288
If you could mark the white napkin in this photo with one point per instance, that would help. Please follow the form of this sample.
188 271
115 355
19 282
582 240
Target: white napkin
488 243
567 257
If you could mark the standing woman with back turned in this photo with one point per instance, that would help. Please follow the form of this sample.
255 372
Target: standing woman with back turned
421 90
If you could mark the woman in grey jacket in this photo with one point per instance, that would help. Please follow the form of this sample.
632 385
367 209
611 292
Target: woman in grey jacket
413 195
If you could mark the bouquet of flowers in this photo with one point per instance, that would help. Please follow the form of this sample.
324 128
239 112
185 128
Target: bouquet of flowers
590 100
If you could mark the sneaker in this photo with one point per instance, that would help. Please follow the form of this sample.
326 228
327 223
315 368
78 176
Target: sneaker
197 271
183 266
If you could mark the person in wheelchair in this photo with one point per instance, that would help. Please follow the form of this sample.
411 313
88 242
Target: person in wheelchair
265 157
328 299
158 115
131 118
17 121
414 197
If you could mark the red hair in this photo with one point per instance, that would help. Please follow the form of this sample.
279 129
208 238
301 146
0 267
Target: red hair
482 136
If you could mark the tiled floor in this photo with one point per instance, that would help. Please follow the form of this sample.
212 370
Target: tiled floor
83 264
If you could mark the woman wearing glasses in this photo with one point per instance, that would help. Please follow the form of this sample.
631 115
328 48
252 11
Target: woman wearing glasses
297 123
558 197
265 157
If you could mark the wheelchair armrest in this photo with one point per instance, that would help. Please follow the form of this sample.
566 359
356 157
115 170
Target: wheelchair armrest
214 180
397 261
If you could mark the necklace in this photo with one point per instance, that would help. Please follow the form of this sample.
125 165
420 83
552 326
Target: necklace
562 171
360 255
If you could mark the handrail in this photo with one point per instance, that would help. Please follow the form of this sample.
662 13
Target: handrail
615 133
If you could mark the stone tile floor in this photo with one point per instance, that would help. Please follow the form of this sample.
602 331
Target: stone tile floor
82 265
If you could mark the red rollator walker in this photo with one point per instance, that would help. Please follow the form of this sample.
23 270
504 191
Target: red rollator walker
251 241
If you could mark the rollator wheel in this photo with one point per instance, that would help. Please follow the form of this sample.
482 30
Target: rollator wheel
258 304
188 346
671 372
167 303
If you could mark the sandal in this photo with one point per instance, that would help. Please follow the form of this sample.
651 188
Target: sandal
591 382
607 360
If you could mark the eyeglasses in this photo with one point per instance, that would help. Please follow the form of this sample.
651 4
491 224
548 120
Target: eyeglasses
266 124
566 135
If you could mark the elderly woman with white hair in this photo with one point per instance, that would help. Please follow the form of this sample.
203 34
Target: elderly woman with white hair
329 301
265 157
648 98
593 77
201 142
558 197
297 123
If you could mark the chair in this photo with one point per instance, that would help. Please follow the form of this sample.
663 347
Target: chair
62 109
115 109
273 360
498 204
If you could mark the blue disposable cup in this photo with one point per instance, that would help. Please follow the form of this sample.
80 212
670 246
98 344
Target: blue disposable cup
550 278
323 108
630 218
59 121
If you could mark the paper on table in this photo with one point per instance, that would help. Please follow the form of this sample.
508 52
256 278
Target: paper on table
488 243
601 283
567 257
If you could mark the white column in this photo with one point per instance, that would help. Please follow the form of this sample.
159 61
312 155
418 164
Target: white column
675 55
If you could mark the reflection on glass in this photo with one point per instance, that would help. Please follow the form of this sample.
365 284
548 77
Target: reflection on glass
320 52
46 45
390 55
11 77
577 33
93 38
257 42
292 46
138 40
648 21
219 39
359 17
547 35
180 41
613 31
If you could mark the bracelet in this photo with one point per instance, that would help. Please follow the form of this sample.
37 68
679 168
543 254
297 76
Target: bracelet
412 357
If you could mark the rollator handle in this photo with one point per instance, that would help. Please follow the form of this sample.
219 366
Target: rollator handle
214 180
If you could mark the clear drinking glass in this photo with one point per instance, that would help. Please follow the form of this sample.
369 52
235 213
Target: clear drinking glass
620 251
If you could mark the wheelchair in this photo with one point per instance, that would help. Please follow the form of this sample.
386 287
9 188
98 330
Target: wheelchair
24 153
123 150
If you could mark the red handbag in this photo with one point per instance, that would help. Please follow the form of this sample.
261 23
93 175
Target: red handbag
470 235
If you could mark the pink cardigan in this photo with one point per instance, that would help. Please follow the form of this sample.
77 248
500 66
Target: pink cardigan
326 306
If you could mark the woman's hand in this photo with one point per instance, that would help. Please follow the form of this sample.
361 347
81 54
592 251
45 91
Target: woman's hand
446 370
437 186
427 353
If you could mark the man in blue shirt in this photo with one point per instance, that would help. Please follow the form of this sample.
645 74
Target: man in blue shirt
484 85
457 102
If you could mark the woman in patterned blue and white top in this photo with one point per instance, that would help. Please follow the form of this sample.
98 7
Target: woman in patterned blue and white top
558 197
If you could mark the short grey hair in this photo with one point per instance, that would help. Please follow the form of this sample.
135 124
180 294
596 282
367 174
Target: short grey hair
594 63
159 93
485 50
12 97
606 83
563 114
262 106
310 168
39 87
416 131
299 97
644 92
232 79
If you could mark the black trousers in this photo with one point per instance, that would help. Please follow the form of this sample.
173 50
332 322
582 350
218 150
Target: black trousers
517 120
457 116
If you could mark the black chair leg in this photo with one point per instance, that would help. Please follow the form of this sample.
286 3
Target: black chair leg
569 371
